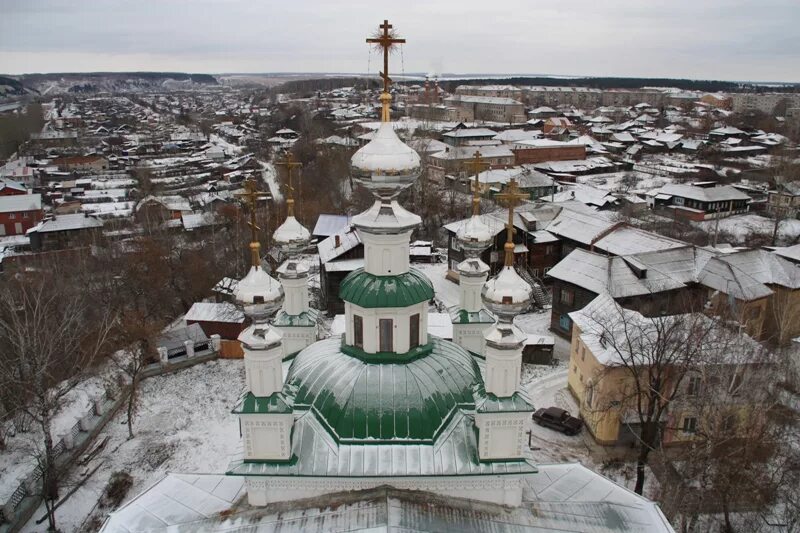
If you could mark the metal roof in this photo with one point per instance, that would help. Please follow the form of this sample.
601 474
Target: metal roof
368 290
403 402
568 498
20 202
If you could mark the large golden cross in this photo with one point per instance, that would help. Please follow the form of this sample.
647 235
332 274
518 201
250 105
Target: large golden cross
476 164
512 197
290 164
251 196
385 40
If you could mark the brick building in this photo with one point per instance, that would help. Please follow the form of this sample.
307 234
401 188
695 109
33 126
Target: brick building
19 213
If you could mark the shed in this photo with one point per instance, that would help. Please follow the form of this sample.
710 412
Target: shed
223 319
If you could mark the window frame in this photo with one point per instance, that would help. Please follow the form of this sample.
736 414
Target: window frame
358 331
385 335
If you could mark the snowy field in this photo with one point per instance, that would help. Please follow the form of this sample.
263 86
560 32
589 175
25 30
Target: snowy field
184 425
743 226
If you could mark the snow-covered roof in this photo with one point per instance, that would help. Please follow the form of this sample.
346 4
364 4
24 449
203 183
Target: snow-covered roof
20 202
385 153
331 224
462 133
702 194
214 312
67 223
328 250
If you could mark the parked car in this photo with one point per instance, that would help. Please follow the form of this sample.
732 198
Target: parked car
558 419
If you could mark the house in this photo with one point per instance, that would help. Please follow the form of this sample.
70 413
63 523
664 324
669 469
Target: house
556 126
456 159
758 289
176 342
328 225
19 213
10 187
339 255
699 203
157 209
463 136
535 250
603 338
223 319
488 108
82 163
784 201
540 150
59 232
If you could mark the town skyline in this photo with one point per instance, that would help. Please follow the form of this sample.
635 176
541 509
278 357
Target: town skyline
742 41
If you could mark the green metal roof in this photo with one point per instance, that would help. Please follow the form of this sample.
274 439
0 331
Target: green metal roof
511 404
362 402
402 290
249 404
305 319
461 316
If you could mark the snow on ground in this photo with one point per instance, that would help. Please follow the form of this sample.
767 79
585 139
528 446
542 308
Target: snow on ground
538 323
743 226
228 148
447 291
18 460
184 425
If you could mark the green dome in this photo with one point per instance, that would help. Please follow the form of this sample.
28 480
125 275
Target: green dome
392 402
402 290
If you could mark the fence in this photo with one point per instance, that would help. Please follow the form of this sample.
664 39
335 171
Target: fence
14 513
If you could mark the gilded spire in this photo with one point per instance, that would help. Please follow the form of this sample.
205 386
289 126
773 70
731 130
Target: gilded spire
476 164
251 196
385 39
512 196
290 164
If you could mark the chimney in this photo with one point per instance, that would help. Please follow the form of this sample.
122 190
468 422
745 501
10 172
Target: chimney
337 241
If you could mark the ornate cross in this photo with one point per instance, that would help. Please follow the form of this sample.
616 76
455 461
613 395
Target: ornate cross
385 40
512 197
250 197
290 164
476 164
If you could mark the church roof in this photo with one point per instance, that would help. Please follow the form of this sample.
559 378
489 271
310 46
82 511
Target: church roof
315 453
361 402
368 290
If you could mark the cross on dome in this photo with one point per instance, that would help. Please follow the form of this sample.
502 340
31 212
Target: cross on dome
476 164
386 40
512 197
251 196
290 163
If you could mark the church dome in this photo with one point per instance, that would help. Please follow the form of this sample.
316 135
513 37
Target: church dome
291 237
392 402
260 293
402 290
507 294
385 165
474 235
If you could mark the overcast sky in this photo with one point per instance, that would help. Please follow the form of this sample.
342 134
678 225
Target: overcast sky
709 39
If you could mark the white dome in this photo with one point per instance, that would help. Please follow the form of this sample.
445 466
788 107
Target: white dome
474 235
386 165
291 236
259 292
507 294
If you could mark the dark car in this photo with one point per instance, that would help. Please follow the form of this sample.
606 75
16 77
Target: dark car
558 419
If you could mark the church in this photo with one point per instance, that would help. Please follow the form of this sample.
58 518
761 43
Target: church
386 427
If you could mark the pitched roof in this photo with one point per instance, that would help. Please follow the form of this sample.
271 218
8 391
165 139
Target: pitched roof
20 202
702 194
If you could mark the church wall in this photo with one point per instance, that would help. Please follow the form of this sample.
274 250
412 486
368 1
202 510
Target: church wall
386 255
401 317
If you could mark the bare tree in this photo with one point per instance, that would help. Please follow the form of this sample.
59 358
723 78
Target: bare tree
654 355
50 336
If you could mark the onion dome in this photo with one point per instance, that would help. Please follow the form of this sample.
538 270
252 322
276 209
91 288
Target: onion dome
507 294
386 165
473 267
259 293
474 236
386 217
293 269
291 237
362 402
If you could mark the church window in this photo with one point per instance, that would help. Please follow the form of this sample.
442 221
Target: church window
413 332
358 331
385 333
